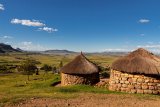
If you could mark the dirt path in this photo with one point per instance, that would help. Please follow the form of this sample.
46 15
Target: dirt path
93 100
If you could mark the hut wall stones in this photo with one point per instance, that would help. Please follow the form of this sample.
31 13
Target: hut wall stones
136 72
70 79
125 82
79 71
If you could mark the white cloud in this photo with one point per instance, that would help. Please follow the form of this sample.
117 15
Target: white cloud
150 42
7 43
5 37
116 50
26 43
1 7
144 21
142 34
34 23
151 47
29 46
25 22
47 29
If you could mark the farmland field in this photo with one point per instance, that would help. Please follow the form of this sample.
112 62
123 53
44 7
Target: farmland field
15 90
53 59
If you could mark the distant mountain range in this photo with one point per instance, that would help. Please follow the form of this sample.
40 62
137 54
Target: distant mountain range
4 48
65 52
58 52
114 53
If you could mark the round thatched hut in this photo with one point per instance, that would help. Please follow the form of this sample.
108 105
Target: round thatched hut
79 71
137 72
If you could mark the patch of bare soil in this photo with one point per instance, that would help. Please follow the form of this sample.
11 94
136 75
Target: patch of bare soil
93 100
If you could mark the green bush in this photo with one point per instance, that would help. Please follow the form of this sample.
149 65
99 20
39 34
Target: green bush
105 75
28 67
46 68
6 68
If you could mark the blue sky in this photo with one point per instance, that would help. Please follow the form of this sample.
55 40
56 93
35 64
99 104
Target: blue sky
81 25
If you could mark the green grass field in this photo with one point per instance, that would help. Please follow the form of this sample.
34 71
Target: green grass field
15 88
53 59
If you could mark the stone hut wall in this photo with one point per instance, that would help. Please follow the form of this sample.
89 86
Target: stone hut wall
125 82
89 79
103 83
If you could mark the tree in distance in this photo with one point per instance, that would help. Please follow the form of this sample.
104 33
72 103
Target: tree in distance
46 69
28 67
60 66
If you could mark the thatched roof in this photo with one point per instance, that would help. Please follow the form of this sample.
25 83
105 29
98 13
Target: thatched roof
80 65
139 61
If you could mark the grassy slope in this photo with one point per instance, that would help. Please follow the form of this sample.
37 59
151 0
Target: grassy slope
53 59
13 87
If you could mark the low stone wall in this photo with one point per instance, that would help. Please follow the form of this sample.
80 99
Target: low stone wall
89 79
103 83
125 82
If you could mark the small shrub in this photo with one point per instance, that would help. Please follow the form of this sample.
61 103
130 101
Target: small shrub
19 85
46 68
28 67
105 75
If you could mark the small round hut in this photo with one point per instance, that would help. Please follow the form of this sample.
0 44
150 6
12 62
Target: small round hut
138 72
79 71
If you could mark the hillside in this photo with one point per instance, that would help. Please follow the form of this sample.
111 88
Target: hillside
4 48
58 52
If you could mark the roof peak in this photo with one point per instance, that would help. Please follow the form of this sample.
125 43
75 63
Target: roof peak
139 61
141 52
80 65
142 49
81 53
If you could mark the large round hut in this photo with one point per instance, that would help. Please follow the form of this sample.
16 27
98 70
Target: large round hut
79 71
138 72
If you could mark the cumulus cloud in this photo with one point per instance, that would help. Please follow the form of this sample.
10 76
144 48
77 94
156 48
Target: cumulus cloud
144 21
34 23
47 29
142 34
30 46
116 50
1 7
6 37
151 47
150 42
26 43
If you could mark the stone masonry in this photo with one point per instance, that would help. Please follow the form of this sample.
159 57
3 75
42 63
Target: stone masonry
68 79
130 83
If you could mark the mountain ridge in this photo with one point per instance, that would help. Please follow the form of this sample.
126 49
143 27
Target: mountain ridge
5 48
